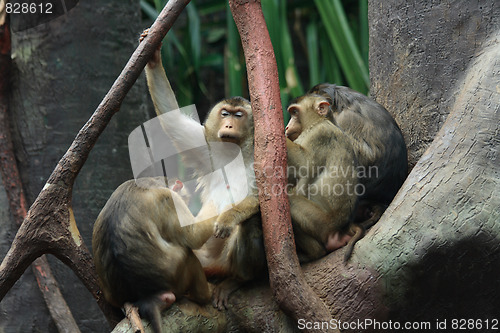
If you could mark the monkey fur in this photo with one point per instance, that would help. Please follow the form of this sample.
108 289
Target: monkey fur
377 142
323 202
238 255
143 255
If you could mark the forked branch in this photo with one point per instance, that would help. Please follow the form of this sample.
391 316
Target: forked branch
50 226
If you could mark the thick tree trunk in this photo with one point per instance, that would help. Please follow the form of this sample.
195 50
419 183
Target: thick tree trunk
438 246
419 51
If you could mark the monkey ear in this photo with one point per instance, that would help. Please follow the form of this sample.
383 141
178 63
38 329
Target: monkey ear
323 108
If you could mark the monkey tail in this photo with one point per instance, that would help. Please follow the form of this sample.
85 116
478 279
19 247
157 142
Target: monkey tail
376 212
358 234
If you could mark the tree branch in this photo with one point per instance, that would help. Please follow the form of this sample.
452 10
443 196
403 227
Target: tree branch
290 289
50 226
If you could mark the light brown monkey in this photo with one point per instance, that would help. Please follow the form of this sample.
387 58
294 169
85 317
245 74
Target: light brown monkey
377 142
141 252
239 257
322 164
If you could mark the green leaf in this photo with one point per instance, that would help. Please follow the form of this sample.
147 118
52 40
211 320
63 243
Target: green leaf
234 70
363 27
313 53
341 37
149 10
194 35
291 75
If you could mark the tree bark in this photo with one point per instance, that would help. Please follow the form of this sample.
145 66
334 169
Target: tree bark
419 51
50 225
47 283
289 287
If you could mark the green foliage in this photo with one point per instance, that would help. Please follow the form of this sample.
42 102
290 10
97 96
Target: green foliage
314 41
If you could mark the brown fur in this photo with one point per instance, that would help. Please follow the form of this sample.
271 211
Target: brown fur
141 252
321 204
378 144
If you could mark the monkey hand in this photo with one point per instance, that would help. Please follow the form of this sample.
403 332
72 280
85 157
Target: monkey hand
222 291
222 230
156 58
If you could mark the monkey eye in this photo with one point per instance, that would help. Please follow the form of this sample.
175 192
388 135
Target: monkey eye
238 114
224 113
293 110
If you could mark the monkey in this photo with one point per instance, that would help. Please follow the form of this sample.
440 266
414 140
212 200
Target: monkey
323 200
378 144
143 255
235 251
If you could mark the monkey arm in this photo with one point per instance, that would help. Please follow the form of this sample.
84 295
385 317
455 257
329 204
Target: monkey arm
186 133
296 153
236 215
161 92
199 232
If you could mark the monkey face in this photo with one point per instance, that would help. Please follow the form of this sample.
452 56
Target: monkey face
233 124
294 126
304 112
230 120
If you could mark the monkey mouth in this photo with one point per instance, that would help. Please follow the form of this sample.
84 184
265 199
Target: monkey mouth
229 138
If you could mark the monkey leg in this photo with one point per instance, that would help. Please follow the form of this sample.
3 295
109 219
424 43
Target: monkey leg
236 215
318 231
246 258
311 218
198 289
308 248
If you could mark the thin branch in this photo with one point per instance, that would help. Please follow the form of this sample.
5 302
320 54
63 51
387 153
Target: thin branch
290 289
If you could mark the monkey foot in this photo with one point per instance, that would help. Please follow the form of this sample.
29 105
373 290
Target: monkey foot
336 241
222 292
